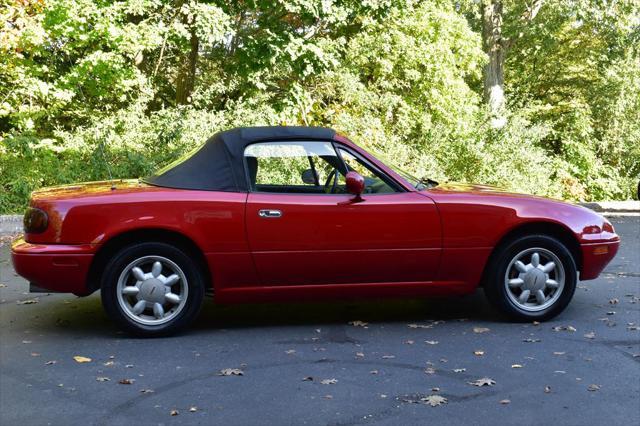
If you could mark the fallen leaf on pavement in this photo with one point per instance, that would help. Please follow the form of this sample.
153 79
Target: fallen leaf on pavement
505 401
547 389
231 372
126 381
174 412
485 381
193 409
328 397
147 391
430 370
3 285
516 366
50 362
290 351
590 335
613 301
108 364
559 353
478 353
480 330
564 327
103 379
419 326
359 354
329 381
388 356
307 379
459 370
593 388
530 340
433 400
35 354
27 302
81 359
373 372
431 342
358 323
409 342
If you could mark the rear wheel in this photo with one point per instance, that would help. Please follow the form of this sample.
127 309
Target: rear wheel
152 289
531 278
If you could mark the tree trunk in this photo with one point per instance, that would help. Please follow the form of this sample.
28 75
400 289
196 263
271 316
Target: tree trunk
493 45
187 71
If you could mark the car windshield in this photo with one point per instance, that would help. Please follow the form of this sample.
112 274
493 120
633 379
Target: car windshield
417 183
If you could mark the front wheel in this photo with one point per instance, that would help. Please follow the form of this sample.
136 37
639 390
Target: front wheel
532 278
152 289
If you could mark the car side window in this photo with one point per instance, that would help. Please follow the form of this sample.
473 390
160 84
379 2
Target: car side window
291 167
374 181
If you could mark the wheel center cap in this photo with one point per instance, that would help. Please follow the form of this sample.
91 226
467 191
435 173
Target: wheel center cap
152 290
535 280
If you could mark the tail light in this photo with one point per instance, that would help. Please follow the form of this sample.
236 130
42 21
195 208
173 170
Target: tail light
608 227
35 221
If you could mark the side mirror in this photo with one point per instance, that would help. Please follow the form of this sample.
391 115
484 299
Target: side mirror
309 177
355 184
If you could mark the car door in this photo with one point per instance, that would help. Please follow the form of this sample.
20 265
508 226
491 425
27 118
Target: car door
303 229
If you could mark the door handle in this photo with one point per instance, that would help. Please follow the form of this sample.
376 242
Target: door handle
269 213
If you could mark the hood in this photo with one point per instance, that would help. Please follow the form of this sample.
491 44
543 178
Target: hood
477 189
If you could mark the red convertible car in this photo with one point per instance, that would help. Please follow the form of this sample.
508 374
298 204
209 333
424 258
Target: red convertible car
294 213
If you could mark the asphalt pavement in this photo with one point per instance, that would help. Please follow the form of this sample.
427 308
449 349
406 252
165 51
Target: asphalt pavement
340 363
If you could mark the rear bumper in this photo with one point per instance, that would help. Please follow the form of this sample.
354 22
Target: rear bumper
55 267
596 256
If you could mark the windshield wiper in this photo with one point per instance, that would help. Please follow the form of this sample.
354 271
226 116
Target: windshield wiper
429 183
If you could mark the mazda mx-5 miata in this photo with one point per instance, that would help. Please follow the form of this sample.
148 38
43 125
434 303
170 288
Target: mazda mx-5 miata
301 213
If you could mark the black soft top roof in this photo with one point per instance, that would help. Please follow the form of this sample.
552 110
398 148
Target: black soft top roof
218 164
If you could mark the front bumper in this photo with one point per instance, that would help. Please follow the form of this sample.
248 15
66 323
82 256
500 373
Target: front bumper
596 256
55 267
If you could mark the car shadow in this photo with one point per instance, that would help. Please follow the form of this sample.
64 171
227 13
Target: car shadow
317 313
85 316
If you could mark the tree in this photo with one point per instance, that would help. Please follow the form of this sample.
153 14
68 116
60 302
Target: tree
494 46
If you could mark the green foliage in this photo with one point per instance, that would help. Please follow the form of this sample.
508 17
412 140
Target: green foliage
136 83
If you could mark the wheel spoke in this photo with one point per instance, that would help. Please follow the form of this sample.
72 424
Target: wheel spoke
516 282
171 280
158 310
540 297
130 291
548 267
535 260
172 298
139 307
551 283
156 269
138 274
520 266
524 296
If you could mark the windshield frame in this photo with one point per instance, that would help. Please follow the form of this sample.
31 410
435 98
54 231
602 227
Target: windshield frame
412 180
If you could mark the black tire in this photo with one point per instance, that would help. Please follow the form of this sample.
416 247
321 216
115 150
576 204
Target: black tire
496 289
183 259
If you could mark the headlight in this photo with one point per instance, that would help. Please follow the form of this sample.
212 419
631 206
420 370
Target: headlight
35 221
